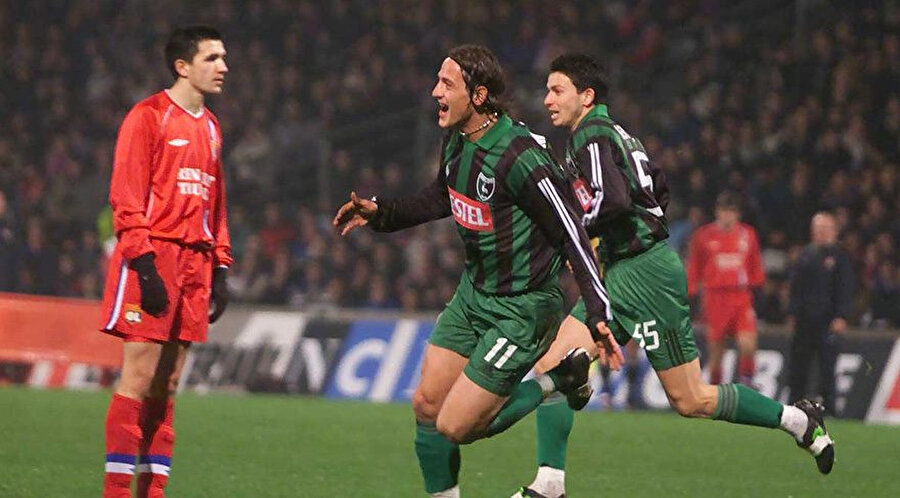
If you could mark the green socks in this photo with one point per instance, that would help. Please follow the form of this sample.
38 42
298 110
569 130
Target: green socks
554 423
438 458
524 399
739 404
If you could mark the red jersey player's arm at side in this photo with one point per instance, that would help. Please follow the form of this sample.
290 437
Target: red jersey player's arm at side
756 275
130 189
222 253
695 262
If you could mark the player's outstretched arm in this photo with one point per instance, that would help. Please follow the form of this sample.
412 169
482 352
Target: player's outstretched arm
392 214
354 213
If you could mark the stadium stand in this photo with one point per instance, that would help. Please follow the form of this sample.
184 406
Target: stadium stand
799 110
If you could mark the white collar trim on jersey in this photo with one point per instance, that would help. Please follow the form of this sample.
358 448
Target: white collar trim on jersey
195 115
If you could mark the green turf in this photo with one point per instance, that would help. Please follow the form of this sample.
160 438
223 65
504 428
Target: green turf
51 445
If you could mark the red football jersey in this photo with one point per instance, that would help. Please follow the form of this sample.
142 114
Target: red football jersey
720 259
167 180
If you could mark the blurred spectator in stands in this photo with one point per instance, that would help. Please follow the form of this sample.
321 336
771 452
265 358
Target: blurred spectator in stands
68 281
9 246
884 296
773 109
380 295
39 267
275 232
681 229
802 204
775 257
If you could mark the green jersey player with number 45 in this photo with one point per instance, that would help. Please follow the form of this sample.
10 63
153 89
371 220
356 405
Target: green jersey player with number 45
624 196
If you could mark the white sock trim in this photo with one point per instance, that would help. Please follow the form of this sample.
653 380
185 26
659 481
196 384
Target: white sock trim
546 383
153 468
794 421
549 473
447 493
549 481
119 468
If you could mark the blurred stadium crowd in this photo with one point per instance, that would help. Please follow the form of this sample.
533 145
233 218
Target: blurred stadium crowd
796 105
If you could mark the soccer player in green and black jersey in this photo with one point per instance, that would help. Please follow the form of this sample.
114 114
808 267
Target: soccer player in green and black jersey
624 197
519 223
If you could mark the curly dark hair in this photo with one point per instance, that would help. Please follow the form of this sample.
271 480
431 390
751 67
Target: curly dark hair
480 67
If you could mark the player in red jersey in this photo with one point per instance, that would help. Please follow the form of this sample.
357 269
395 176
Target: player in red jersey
167 276
724 263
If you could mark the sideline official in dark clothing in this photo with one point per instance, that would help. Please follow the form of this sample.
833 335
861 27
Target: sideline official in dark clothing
821 301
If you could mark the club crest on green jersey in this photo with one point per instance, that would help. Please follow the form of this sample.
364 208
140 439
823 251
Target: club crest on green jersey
485 186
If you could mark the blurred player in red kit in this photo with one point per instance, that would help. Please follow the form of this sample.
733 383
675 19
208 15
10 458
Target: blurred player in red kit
724 264
167 276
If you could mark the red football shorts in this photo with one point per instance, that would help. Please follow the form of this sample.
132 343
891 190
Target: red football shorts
728 312
187 274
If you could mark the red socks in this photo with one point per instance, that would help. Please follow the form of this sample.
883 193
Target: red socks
123 438
138 434
156 449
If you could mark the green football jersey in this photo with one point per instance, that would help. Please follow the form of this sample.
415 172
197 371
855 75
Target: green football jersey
513 210
600 151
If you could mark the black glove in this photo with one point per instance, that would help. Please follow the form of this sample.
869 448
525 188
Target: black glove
154 299
218 299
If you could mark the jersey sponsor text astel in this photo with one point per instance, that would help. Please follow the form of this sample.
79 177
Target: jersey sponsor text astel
470 213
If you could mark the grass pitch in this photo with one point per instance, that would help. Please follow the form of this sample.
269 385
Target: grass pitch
51 445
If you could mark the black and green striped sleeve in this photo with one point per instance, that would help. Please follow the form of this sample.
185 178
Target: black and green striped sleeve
540 193
596 164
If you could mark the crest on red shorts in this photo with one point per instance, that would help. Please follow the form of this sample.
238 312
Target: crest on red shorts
132 313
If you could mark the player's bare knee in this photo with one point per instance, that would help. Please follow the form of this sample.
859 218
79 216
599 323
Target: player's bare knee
135 382
455 432
426 408
700 403
172 386
685 408
689 406
164 385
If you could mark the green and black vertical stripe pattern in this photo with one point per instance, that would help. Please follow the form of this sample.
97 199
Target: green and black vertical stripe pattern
644 224
514 256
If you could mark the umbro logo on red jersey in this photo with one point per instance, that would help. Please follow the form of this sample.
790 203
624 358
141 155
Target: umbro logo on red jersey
178 142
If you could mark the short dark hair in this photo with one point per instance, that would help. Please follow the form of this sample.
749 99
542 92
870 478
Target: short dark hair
183 44
585 72
480 67
728 199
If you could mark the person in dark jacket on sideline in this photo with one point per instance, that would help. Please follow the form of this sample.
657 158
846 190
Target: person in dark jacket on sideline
822 285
